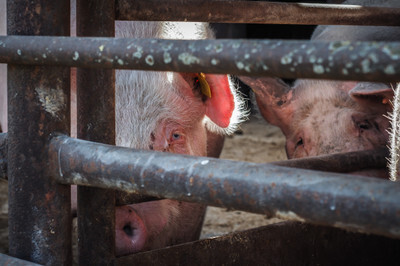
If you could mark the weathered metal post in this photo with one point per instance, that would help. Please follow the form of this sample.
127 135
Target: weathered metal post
38 100
96 122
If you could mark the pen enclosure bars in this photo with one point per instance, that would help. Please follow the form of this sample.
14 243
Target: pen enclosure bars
41 161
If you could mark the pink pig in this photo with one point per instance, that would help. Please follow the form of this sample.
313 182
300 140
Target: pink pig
166 111
321 116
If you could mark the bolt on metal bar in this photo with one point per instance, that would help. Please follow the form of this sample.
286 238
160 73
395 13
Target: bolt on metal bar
256 12
38 104
96 122
350 202
368 61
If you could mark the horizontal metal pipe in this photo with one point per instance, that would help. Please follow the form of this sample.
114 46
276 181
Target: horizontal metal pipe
339 162
350 202
256 12
369 61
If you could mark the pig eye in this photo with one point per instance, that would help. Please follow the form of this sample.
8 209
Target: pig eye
364 125
299 143
176 136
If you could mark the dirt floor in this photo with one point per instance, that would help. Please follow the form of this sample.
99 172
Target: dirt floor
255 142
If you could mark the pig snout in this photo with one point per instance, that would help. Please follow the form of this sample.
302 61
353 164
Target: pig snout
130 231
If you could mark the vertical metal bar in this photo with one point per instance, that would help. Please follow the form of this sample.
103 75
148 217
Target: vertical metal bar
96 122
38 100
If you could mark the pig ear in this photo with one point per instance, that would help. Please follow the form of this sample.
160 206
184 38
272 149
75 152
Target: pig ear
274 99
372 93
220 107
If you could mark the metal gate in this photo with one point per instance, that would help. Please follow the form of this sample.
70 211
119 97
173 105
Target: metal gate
42 161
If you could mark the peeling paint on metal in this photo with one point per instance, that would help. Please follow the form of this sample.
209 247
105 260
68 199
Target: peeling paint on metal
138 54
77 178
167 58
167 47
286 59
318 69
390 70
310 51
373 58
365 64
219 48
236 45
52 100
149 60
76 56
204 162
208 47
390 53
188 59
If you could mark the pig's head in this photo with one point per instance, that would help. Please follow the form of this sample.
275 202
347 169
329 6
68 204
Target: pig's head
322 117
168 112
173 113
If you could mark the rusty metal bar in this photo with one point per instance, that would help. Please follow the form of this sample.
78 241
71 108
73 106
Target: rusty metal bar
337 162
11 261
288 243
96 120
256 12
38 104
369 61
341 162
345 201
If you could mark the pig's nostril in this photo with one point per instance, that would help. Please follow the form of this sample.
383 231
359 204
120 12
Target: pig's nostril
128 230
